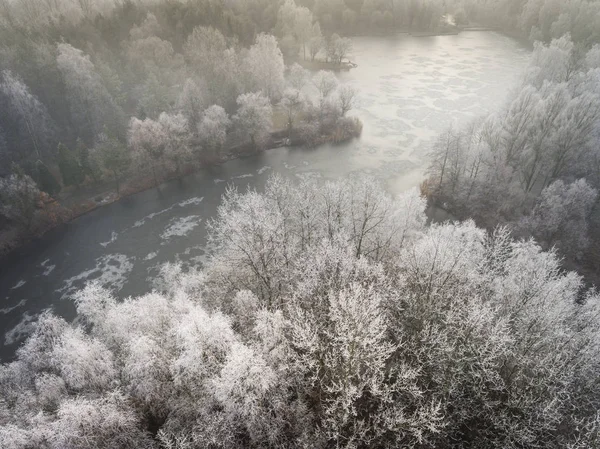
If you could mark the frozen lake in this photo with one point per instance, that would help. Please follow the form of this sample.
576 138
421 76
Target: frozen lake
411 89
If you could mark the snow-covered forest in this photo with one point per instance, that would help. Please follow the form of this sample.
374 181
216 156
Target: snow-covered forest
97 92
329 316
537 20
326 314
535 163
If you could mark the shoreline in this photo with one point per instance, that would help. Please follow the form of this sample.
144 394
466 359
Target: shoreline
95 196
107 195
137 185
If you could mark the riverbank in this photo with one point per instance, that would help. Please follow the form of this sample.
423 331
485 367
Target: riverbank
73 203
327 65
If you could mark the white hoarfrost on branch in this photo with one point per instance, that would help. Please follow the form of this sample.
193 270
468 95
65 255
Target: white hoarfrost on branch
329 315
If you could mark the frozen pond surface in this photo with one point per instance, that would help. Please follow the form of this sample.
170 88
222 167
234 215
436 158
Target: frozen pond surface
411 89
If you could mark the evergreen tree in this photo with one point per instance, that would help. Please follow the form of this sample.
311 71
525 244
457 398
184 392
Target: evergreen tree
114 158
70 168
45 179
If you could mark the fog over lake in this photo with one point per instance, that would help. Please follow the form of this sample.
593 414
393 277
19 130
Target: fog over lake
410 90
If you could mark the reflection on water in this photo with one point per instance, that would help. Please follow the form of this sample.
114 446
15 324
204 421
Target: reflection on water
410 90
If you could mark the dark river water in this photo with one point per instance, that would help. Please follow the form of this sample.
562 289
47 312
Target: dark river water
410 88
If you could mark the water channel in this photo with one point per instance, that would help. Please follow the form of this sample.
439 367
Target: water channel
410 90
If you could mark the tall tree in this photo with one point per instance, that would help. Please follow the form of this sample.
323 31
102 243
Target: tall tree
92 107
212 130
20 197
113 157
265 66
32 113
254 117
70 166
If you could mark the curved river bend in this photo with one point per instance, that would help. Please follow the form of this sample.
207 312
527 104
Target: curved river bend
410 88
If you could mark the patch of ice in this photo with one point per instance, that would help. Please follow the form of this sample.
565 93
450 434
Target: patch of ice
113 237
110 271
306 176
192 201
143 221
47 268
19 284
247 175
7 310
151 256
195 201
180 227
21 330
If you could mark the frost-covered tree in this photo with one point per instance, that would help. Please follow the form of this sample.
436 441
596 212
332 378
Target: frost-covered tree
292 103
216 63
352 210
254 117
329 315
338 48
92 106
191 103
265 66
562 214
20 197
297 77
296 21
37 124
326 83
346 96
148 140
497 169
212 129
149 54
176 129
316 42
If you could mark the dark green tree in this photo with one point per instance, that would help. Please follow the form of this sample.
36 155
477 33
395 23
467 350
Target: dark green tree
45 179
70 168
115 158
89 164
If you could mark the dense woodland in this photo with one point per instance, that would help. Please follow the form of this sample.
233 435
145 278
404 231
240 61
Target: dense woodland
535 163
537 20
329 315
92 93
